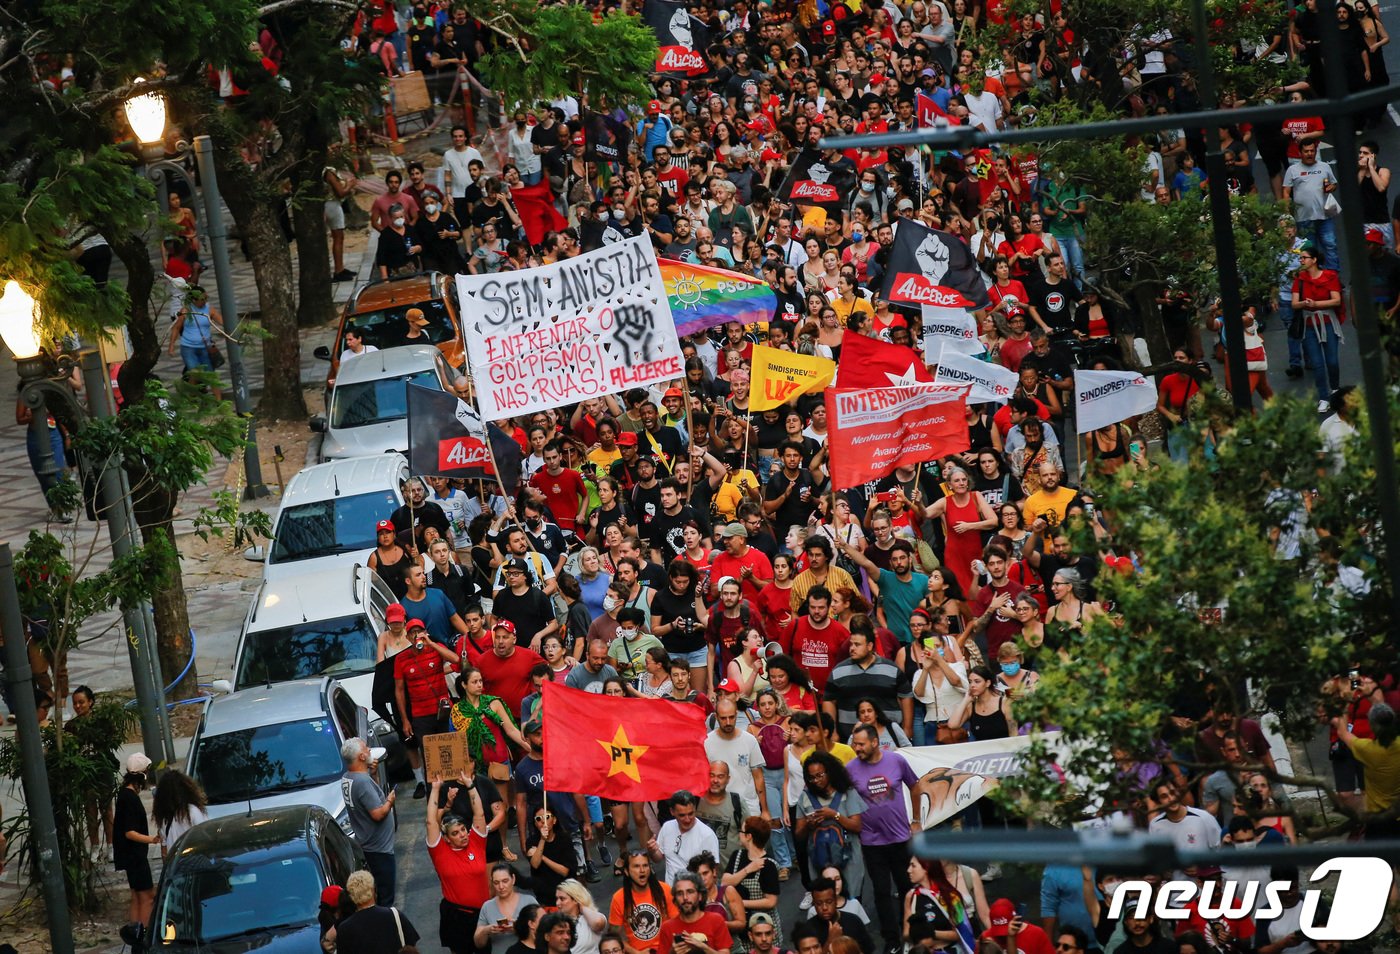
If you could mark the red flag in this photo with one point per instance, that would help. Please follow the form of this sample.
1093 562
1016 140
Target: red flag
535 204
873 431
629 750
871 363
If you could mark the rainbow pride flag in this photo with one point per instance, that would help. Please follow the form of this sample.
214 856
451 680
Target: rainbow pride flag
702 297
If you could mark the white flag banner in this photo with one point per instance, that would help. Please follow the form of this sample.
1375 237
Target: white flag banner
596 324
990 381
953 328
1102 398
952 777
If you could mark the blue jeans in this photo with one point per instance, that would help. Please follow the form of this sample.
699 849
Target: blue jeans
1295 345
1323 358
922 734
196 358
1323 234
1074 258
595 808
532 178
381 864
60 459
781 840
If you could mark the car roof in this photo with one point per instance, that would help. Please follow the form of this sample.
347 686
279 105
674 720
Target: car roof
291 828
345 478
398 291
387 363
313 595
280 702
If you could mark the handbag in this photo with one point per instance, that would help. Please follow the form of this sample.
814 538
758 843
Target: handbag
947 735
398 923
216 357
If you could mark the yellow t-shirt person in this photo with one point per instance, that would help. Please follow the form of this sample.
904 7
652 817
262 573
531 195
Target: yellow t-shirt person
728 496
1051 506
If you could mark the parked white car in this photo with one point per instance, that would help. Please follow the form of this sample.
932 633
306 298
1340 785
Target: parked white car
329 512
368 407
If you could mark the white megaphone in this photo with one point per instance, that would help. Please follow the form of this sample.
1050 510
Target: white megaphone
770 650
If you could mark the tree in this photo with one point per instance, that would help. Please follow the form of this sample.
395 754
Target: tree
544 52
1212 611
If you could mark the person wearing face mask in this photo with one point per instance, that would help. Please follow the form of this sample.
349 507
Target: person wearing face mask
439 234
521 146
870 193
398 249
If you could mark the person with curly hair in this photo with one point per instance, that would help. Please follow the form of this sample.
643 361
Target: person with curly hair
177 805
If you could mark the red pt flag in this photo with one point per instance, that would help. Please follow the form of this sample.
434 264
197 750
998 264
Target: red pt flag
868 362
873 431
629 750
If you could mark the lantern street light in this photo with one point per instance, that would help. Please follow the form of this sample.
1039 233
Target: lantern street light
146 114
17 321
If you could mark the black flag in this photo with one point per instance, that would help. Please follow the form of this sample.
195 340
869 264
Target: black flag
447 438
681 40
814 181
929 267
605 139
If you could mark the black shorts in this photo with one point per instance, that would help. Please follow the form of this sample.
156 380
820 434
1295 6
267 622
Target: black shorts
138 876
457 927
425 725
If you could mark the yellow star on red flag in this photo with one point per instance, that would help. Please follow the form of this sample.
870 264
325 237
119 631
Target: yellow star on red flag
624 755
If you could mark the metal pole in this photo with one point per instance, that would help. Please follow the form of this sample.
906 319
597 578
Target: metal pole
1358 276
228 307
33 769
1222 227
115 507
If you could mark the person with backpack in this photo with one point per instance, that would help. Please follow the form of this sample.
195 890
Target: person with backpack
828 819
772 731
682 837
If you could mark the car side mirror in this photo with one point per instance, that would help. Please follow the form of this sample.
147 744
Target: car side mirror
221 685
322 352
318 423
255 554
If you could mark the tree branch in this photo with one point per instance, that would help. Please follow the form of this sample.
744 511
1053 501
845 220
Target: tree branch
279 5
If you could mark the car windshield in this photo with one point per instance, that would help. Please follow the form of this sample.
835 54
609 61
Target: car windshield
266 760
329 527
378 401
386 328
331 647
207 899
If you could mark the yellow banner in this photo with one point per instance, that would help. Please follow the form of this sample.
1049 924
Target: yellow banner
779 376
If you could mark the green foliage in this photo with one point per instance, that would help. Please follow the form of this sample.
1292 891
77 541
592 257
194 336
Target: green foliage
227 520
544 52
1201 534
82 769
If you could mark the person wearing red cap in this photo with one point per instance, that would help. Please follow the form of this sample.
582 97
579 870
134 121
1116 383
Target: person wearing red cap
1020 935
654 128
506 668
420 691
389 559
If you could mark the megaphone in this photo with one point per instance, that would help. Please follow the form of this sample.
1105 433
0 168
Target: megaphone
770 650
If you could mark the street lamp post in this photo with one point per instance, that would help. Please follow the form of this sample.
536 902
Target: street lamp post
146 116
33 774
44 389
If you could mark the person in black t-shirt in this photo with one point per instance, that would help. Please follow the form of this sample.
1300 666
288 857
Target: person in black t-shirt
667 532
372 929
791 496
1055 296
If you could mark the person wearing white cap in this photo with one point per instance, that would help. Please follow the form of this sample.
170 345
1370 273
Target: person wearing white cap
132 839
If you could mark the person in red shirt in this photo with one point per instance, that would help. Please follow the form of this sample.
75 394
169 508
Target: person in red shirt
506 668
563 489
1012 932
818 641
1017 343
728 617
748 565
996 603
694 926
420 690
773 602
458 853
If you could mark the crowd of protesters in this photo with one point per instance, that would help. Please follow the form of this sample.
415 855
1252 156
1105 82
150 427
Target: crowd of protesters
671 543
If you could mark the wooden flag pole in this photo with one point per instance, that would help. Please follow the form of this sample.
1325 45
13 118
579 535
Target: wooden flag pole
689 437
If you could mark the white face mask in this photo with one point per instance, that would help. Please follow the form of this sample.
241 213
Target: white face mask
430 209
399 222
619 214
867 187
1245 845
609 604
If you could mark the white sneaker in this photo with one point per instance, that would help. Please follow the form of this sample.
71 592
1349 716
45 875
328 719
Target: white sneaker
806 902
1324 406
992 873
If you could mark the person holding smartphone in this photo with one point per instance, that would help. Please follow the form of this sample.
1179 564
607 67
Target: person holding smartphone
1013 932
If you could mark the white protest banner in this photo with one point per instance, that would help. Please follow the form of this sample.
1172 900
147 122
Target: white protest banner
953 328
1102 398
990 382
542 337
952 777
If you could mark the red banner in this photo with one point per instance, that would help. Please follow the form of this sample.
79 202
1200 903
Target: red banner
629 750
875 430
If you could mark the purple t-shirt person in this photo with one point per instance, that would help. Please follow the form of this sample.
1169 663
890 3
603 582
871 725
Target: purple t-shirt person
881 782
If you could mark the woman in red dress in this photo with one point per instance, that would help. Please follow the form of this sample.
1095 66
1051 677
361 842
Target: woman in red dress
965 514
